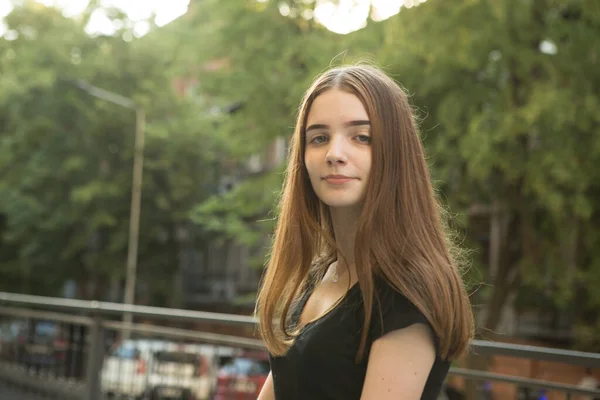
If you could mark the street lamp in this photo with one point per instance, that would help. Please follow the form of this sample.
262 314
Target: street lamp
136 189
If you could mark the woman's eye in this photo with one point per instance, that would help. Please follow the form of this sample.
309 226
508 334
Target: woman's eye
363 138
318 139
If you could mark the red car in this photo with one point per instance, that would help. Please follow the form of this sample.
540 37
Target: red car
242 377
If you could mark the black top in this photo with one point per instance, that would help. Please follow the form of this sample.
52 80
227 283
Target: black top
321 364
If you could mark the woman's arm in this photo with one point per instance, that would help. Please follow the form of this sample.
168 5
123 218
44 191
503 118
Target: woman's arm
267 392
399 364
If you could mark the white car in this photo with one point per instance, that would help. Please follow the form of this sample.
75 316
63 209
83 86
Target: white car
125 369
158 369
184 373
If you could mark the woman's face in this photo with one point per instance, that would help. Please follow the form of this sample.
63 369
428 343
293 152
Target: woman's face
338 148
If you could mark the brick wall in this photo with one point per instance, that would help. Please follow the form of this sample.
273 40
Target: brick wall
525 368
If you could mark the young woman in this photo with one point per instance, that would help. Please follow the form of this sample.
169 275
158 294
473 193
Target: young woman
362 297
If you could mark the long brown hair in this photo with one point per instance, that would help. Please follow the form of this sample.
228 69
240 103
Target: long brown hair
401 233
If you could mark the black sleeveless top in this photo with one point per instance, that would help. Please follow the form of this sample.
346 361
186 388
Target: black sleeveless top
321 364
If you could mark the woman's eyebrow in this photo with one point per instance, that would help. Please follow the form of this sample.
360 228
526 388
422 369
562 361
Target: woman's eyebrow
359 122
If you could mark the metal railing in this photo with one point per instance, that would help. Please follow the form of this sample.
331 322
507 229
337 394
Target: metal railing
85 351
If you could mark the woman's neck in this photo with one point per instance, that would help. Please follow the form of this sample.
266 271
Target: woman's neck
345 223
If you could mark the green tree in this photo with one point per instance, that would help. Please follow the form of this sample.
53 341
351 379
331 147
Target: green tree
507 91
66 157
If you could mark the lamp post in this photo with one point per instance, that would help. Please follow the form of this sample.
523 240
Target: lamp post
136 189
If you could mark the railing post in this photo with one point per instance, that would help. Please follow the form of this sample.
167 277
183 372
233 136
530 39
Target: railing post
95 359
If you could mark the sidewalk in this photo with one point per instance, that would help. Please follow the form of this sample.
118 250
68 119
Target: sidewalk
14 393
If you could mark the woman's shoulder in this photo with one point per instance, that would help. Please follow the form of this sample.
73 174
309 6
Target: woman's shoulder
392 310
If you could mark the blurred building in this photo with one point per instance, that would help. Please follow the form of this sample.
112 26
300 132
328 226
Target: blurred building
223 275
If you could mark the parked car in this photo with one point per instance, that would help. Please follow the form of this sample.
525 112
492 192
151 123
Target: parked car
11 336
44 346
35 344
182 374
125 368
243 377
159 369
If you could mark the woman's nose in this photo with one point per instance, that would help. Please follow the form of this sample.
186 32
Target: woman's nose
336 153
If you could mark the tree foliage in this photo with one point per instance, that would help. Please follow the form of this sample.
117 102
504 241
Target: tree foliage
66 157
509 123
